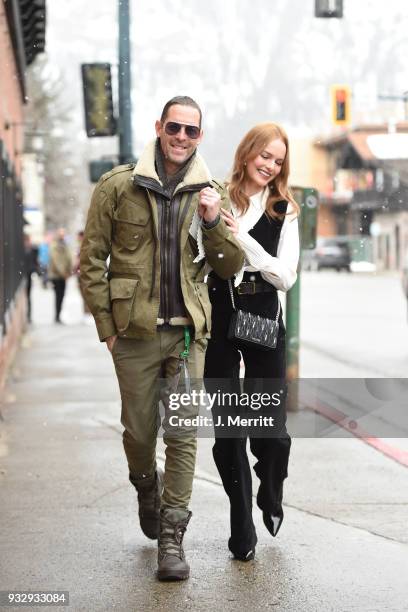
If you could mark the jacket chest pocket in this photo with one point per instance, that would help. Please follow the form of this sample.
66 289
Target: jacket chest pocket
122 294
131 224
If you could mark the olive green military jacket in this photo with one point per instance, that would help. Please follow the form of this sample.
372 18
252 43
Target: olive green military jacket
122 225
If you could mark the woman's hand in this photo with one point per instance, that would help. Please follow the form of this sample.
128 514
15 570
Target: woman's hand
230 221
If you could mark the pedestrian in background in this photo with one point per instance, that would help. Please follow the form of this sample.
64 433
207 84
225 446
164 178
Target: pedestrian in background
158 221
30 266
60 269
264 221
44 260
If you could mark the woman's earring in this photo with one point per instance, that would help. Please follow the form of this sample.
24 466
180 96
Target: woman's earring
244 163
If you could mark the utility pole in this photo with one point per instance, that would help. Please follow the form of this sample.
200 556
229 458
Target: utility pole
125 104
307 198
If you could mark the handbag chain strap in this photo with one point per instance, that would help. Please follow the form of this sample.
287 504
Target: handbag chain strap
232 294
233 301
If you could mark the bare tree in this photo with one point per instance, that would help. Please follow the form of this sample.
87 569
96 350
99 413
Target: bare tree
49 117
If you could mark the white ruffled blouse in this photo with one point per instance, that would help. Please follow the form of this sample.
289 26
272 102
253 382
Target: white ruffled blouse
280 271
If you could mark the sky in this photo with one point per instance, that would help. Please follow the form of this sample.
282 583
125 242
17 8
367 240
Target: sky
244 61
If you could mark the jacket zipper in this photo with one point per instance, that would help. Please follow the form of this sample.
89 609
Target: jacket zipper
166 262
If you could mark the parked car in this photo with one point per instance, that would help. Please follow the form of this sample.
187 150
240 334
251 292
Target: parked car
329 253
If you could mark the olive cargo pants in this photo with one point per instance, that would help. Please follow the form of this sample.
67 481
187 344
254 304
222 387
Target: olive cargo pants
140 366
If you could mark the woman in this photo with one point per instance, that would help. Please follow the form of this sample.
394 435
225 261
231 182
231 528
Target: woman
264 221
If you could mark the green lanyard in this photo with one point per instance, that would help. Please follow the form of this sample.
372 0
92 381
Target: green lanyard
184 354
184 357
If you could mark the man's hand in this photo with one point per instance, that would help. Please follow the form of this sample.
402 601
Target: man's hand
110 341
209 201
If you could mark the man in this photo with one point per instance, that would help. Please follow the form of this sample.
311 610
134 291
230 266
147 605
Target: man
159 222
60 269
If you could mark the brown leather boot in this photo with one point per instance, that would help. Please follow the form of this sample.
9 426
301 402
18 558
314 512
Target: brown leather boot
172 564
149 491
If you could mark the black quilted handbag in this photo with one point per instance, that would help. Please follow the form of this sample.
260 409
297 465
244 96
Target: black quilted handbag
251 330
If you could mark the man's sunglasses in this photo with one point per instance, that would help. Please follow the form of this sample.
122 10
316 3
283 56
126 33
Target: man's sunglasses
172 128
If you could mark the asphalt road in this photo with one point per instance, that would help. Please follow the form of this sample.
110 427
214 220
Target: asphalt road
353 325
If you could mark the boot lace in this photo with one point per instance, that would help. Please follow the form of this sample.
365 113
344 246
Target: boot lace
171 539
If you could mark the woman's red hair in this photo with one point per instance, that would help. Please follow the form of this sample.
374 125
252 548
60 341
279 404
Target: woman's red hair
253 143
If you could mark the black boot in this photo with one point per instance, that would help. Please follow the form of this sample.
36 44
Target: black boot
149 491
273 521
273 517
172 564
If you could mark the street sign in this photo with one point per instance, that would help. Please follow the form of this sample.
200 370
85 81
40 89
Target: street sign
97 86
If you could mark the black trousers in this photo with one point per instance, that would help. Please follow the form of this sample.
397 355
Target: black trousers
265 371
28 294
59 288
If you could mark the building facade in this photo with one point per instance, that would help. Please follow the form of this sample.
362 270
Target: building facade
364 191
22 37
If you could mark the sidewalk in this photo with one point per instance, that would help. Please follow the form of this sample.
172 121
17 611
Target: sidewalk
69 516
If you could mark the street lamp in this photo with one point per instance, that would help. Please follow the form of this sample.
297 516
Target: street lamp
125 103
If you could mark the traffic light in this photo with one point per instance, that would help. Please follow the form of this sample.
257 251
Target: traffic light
329 8
97 84
33 21
341 104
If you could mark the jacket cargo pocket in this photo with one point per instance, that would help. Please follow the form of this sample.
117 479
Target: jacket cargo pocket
130 225
201 290
122 293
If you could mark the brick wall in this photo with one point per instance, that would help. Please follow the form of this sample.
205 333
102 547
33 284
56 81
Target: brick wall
11 103
11 111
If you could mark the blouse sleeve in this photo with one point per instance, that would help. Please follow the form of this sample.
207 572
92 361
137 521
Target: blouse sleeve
280 271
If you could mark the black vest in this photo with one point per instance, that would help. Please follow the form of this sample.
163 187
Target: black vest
267 232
